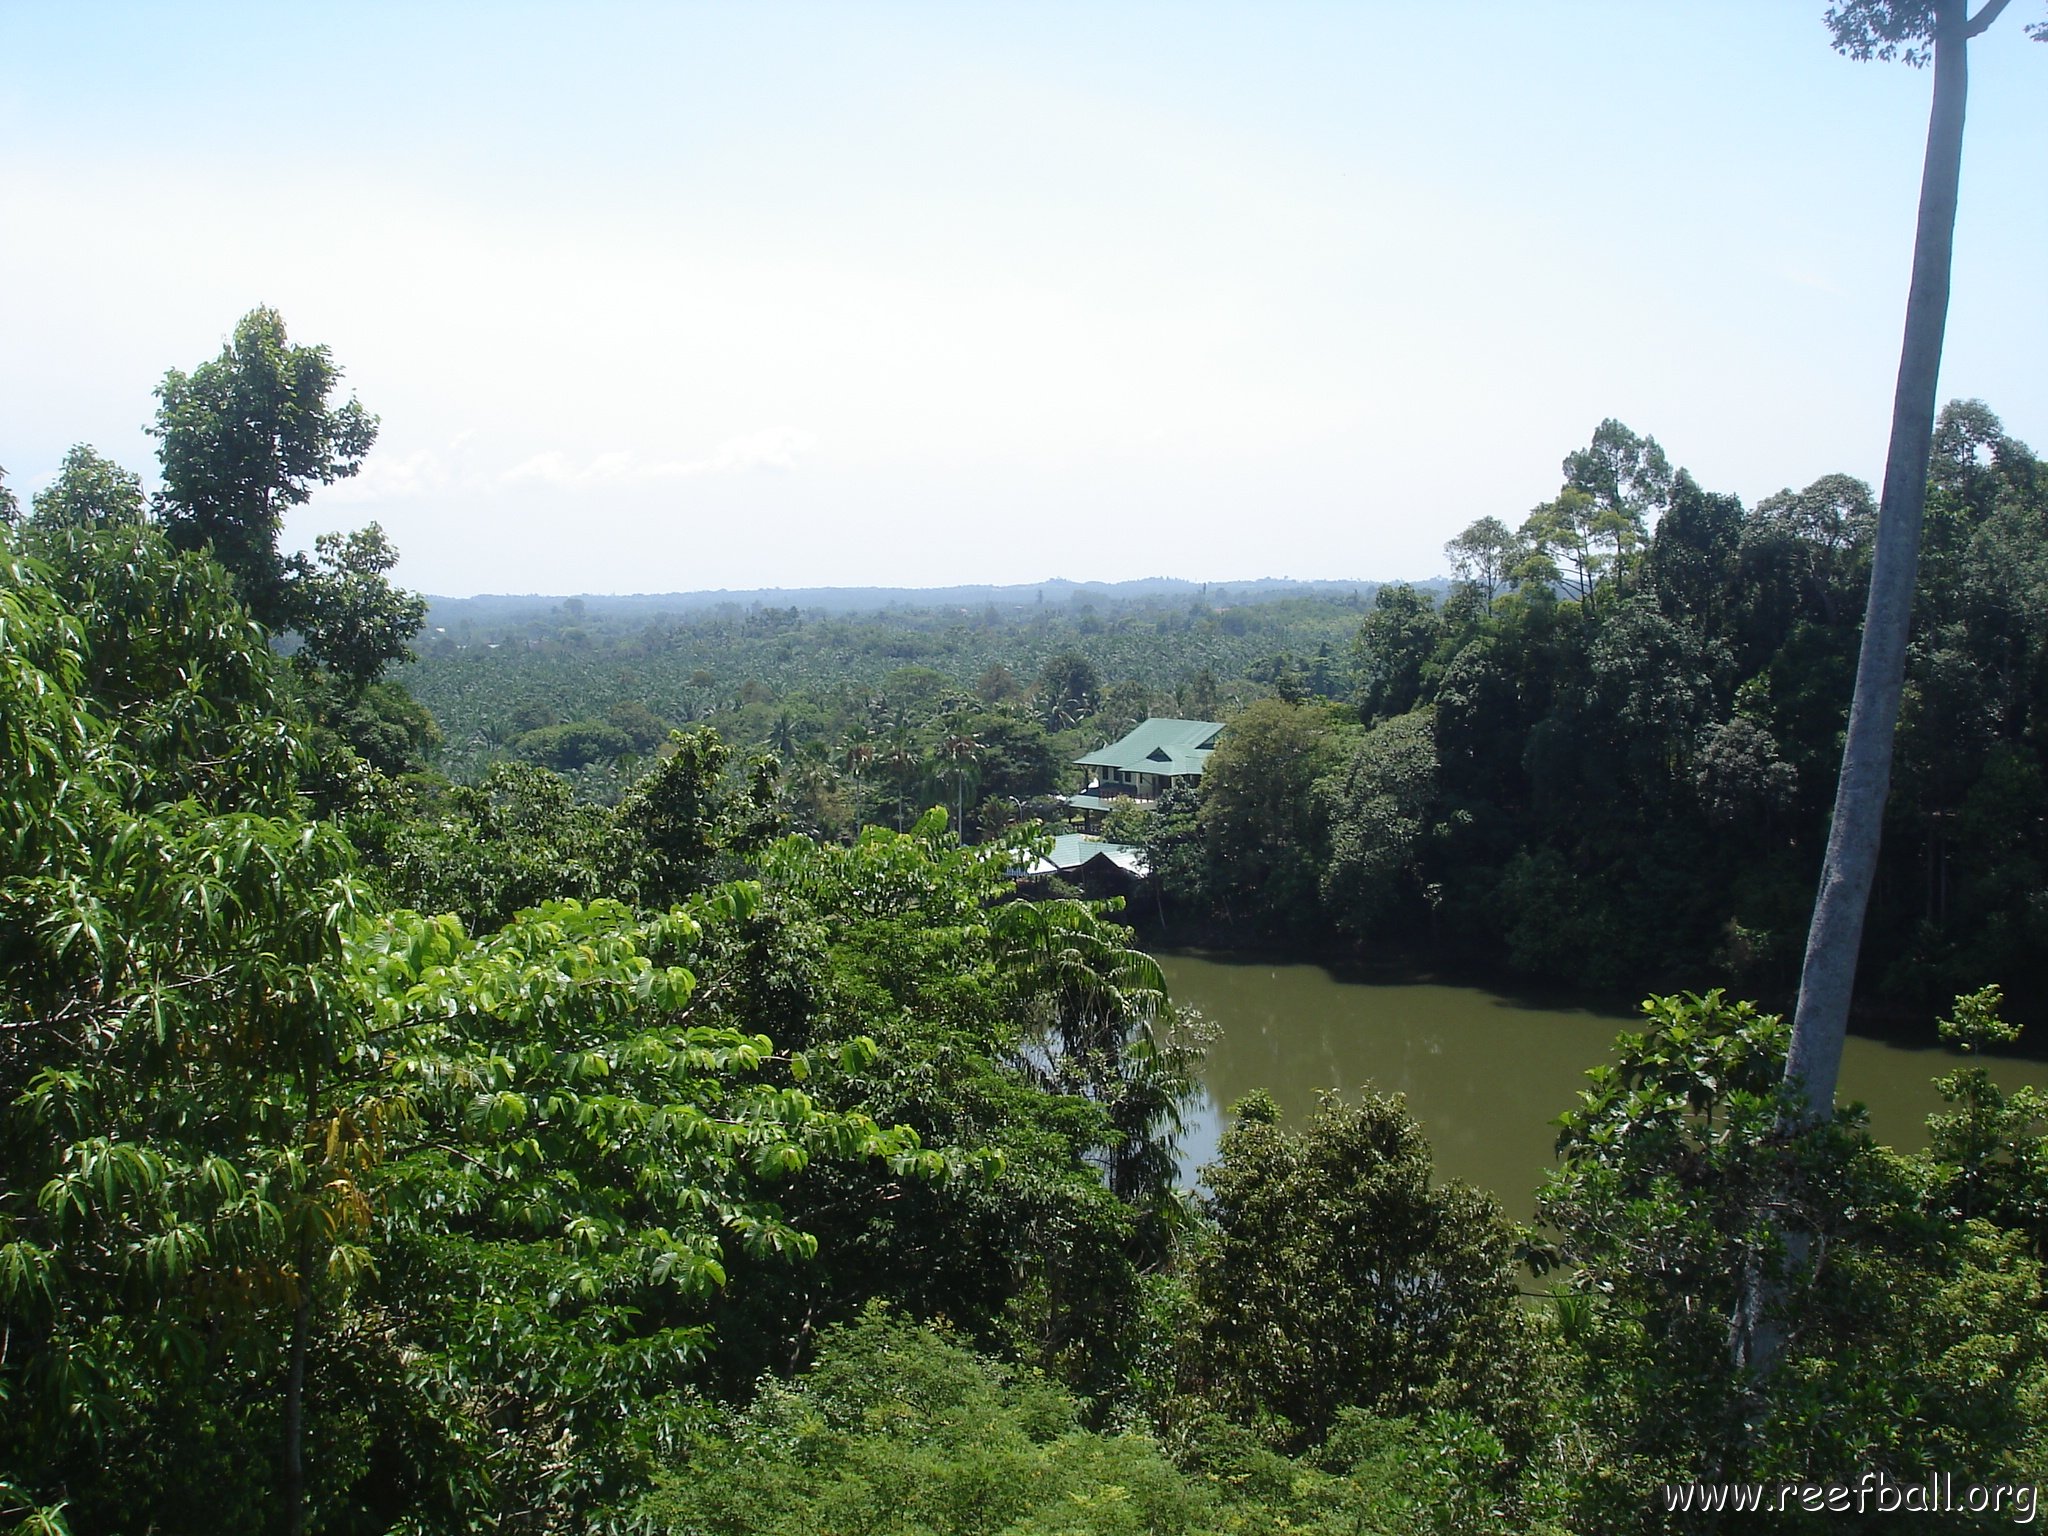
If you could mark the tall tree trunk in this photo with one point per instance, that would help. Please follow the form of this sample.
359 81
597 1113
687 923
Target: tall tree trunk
293 1480
1829 973
295 1411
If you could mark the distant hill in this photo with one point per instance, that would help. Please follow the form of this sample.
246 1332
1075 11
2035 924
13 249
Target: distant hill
497 607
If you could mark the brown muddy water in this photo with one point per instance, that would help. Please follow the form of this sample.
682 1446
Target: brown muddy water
1483 1072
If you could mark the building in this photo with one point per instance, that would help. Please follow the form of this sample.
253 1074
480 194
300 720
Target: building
1152 759
1088 860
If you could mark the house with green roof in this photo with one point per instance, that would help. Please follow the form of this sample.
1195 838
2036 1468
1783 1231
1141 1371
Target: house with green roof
1149 761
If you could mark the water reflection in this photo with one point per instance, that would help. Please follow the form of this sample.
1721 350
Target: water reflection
1485 1074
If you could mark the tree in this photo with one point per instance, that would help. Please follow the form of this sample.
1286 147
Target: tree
962 752
687 816
1990 1151
905 766
1343 1273
582 1165
1261 817
1379 811
245 438
1069 688
1100 1028
1917 30
1742 781
169 994
175 667
510 841
1392 656
89 492
1482 556
1622 472
1015 758
1572 526
351 619
313 1215
1675 1189
1829 524
1688 561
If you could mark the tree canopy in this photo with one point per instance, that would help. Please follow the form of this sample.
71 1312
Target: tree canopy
242 440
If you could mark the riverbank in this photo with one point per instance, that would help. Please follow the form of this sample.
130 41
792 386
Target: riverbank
1485 1071
1161 932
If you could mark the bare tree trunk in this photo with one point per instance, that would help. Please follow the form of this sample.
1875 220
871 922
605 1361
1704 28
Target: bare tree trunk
295 1412
1828 976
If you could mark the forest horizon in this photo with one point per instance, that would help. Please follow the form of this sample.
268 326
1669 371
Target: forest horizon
719 1062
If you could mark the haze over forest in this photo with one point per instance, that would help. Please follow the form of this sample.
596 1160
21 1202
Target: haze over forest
703 1062
661 298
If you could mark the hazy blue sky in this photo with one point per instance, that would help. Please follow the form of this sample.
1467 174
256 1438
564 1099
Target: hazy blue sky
655 297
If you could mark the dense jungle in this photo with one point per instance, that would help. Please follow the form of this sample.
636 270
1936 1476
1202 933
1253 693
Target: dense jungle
1603 752
582 1065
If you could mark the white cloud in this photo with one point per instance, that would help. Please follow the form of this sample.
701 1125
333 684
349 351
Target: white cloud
772 448
411 477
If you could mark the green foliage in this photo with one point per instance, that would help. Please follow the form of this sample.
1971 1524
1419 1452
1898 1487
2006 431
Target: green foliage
1068 689
1341 1274
580 1168
1676 1198
493 668
488 850
979 1009
382 728
1263 824
89 492
643 729
175 669
1991 1152
1098 1026
1394 652
170 993
245 438
1622 472
286 1184
576 744
318 1210
350 619
1482 557
687 815
242 440
1380 807
899 1430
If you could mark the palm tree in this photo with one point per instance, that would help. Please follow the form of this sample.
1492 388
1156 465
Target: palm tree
963 751
782 737
902 761
814 789
856 757
1104 1033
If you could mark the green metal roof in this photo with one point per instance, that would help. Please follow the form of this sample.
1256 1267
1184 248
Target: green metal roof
1073 850
1098 802
1158 746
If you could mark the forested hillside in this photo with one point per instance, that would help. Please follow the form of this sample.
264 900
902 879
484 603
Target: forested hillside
1602 753
1609 755
698 1147
808 682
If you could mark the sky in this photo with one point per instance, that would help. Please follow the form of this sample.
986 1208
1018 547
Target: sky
668 297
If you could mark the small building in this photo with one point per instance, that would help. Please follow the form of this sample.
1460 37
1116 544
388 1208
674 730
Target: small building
1152 759
1100 867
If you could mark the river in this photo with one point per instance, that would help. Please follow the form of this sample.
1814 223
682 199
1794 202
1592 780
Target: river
1484 1073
